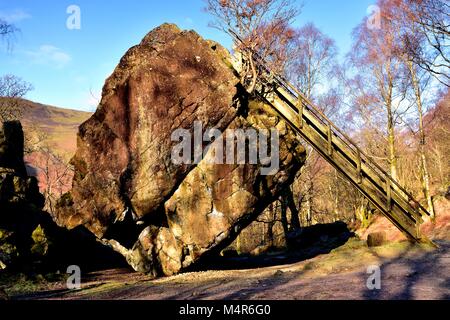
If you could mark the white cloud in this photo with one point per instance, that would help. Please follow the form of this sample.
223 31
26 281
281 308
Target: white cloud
49 55
14 16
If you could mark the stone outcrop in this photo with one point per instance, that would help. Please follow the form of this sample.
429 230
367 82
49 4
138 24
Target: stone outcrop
20 200
11 147
376 239
160 215
29 238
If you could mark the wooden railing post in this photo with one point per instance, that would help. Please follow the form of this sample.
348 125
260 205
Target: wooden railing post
358 167
300 113
330 140
389 194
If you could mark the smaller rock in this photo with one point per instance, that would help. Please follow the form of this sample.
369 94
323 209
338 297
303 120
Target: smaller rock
278 273
11 146
259 250
376 239
229 253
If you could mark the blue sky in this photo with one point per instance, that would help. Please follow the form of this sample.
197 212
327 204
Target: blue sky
68 67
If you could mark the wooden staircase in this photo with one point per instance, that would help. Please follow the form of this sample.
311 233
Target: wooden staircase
340 151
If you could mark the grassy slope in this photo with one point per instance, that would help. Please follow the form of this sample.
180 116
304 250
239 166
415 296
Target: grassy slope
60 125
57 129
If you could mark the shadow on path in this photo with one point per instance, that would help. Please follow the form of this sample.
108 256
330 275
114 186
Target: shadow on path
421 268
309 243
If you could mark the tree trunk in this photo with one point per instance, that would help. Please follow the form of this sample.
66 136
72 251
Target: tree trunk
272 216
426 184
391 142
308 210
424 173
363 213
254 72
336 195
284 220
295 221
387 96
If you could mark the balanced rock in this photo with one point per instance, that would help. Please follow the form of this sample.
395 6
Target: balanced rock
216 201
161 215
122 165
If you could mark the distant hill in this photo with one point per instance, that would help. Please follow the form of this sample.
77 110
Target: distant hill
59 125
57 130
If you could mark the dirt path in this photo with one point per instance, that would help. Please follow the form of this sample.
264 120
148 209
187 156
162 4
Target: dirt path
407 272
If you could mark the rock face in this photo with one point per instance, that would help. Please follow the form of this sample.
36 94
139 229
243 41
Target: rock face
215 202
160 215
171 79
29 238
20 200
11 147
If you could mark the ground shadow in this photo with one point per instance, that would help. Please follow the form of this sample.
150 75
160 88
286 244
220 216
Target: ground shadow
306 244
423 266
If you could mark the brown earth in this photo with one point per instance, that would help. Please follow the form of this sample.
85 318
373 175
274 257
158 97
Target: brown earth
439 229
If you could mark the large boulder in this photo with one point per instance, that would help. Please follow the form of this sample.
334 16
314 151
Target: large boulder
170 80
216 201
162 215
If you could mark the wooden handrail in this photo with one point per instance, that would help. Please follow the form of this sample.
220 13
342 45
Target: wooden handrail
357 152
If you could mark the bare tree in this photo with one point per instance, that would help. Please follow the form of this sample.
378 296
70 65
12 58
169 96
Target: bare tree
429 20
377 89
437 128
54 172
262 25
12 90
313 56
415 31
417 84
6 28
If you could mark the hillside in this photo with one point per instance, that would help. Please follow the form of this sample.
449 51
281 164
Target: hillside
59 125
52 135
